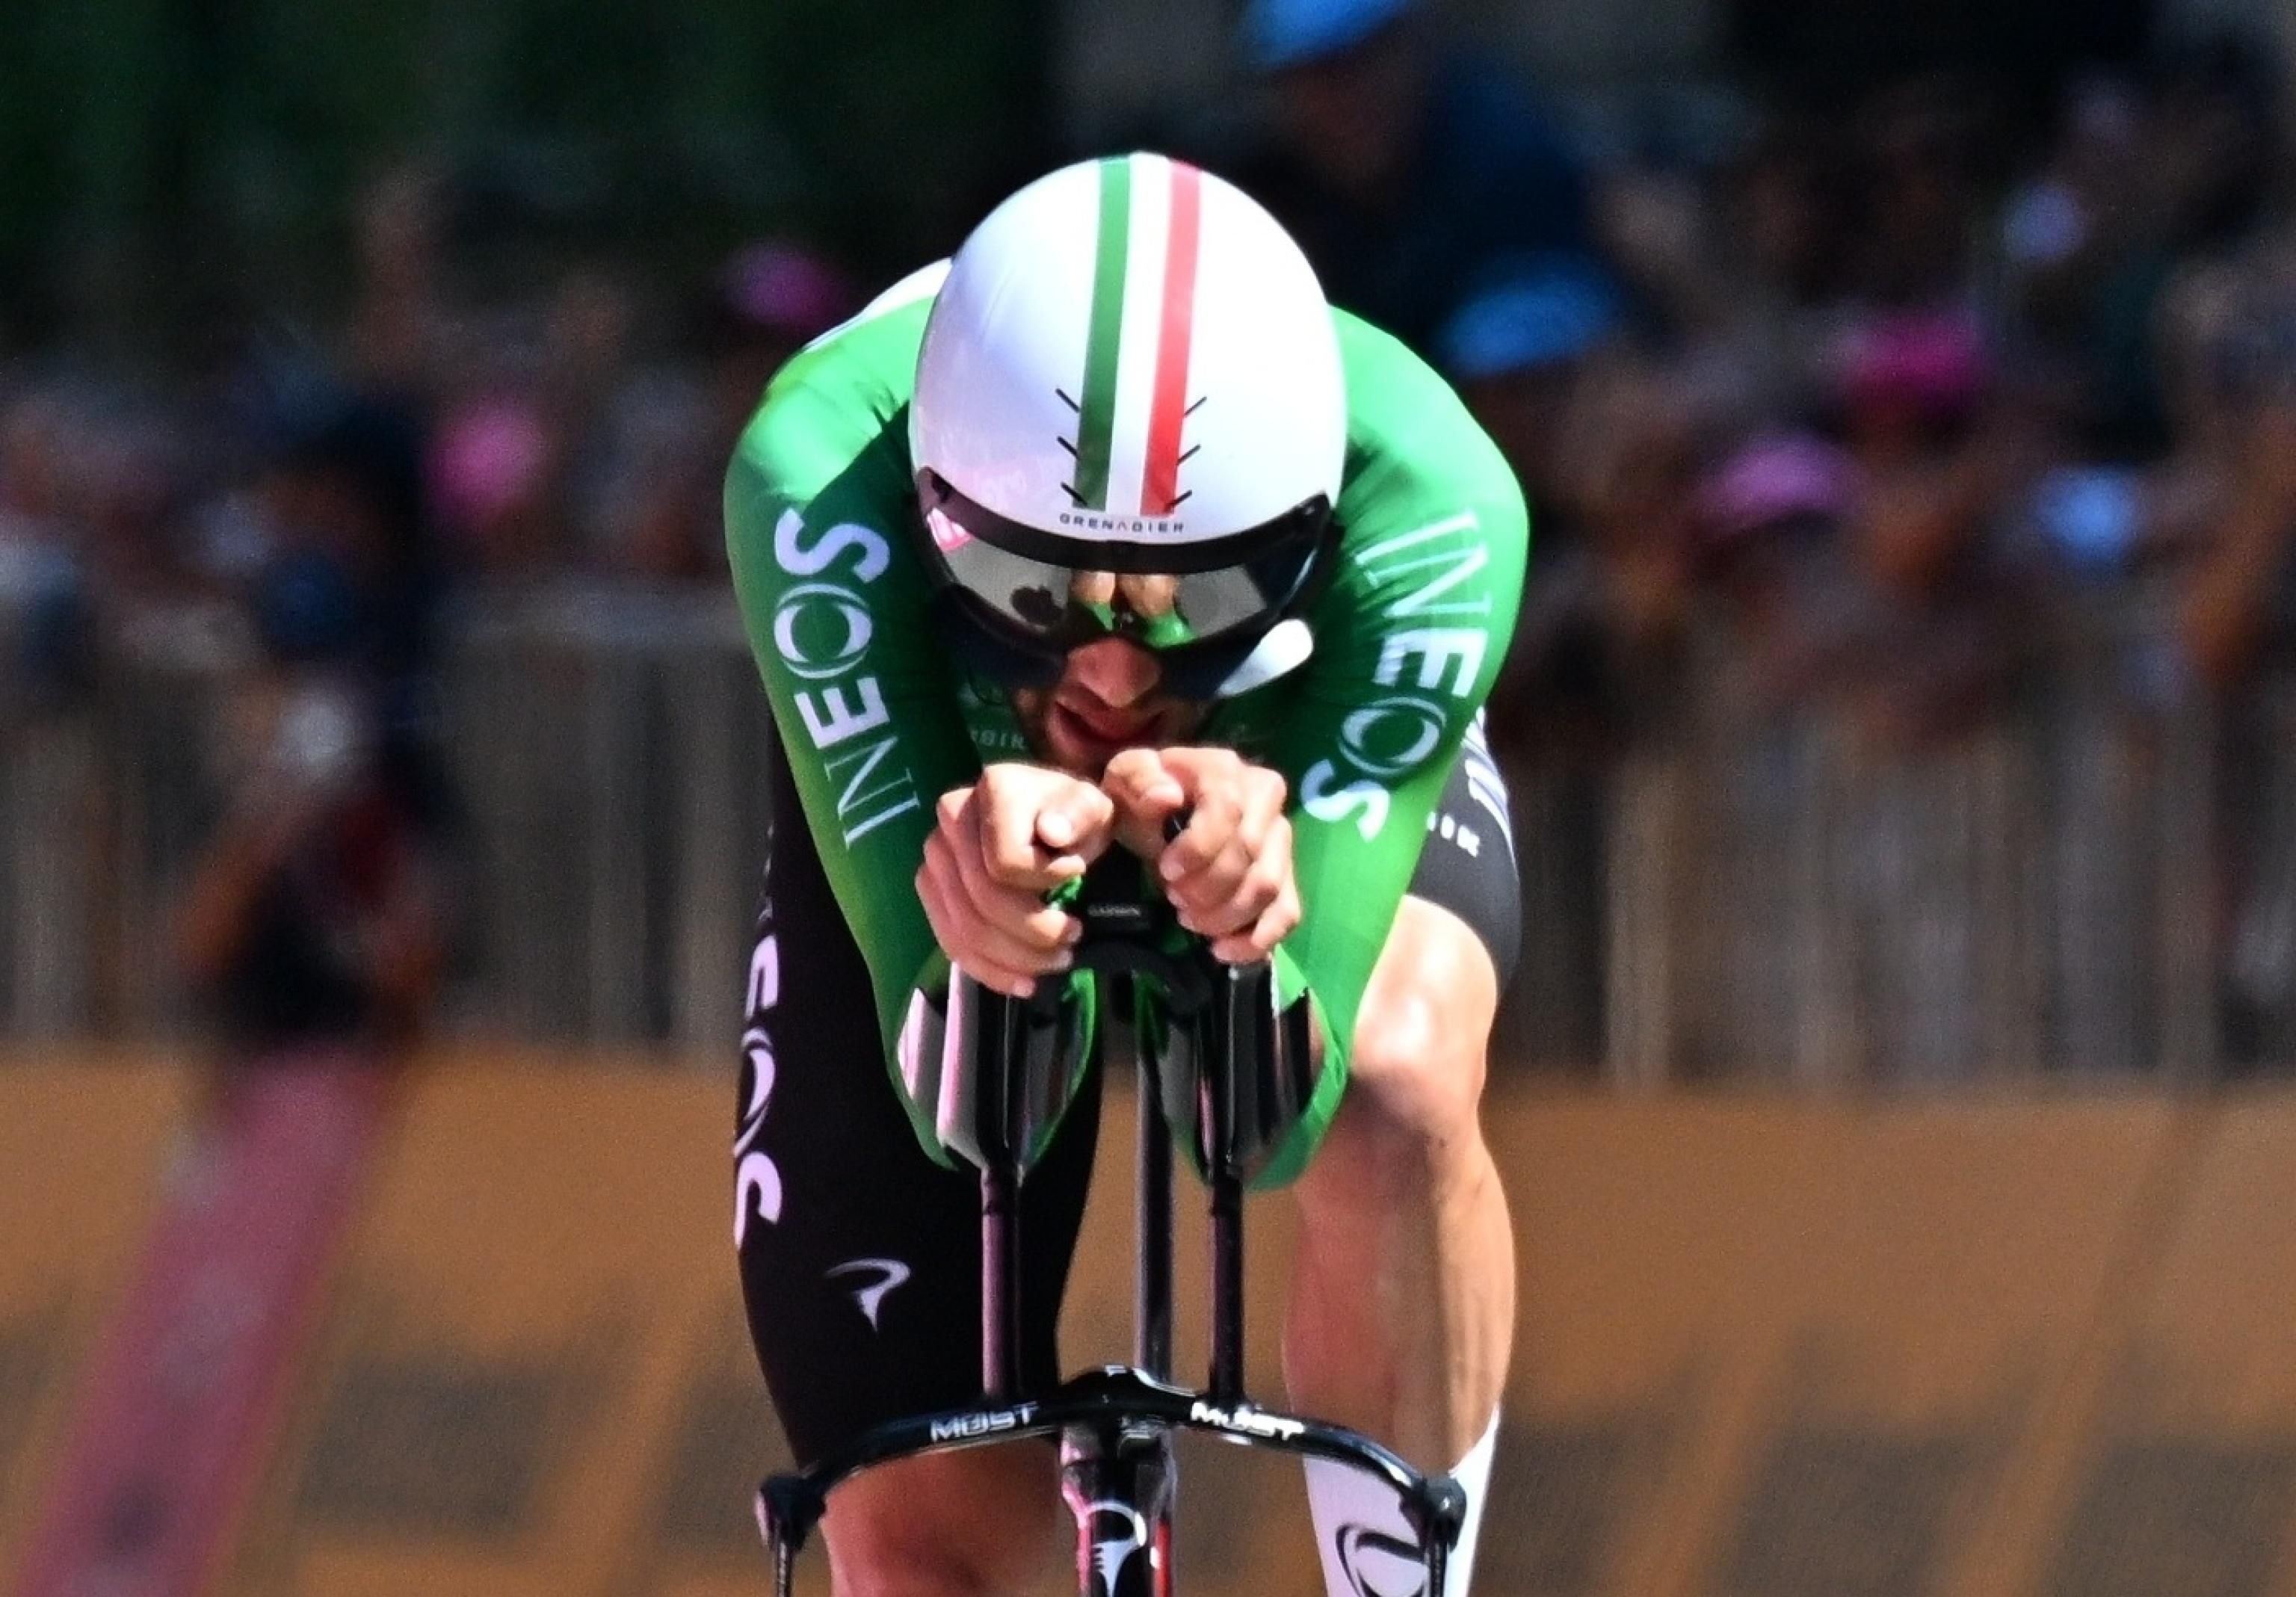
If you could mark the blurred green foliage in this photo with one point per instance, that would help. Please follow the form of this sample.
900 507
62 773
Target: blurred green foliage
162 159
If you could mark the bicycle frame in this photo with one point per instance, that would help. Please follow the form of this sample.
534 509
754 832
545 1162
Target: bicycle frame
1116 1424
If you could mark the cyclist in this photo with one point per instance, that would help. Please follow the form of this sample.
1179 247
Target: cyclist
1108 520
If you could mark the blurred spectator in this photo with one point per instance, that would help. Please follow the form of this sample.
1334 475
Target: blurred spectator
342 478
1525 354
602 447
1406 170
1769 525
2212 139
1519 353
2084 264
651 504
1815 625
592 329
2224 511
2239 606
1785 205
44 587
1944 450
31 453
1916 230
491 473
398 334
1910 385
1638 433
93 485
2225 344
656 510
766 303
315 912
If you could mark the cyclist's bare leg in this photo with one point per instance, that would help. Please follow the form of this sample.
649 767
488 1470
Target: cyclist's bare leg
1402 1307
970 1524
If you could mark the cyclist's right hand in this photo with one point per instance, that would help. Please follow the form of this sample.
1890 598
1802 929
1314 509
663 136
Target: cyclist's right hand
998 847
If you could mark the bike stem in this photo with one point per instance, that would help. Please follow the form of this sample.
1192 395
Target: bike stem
1000 1284
1000 1208
1151 1345
1232 1017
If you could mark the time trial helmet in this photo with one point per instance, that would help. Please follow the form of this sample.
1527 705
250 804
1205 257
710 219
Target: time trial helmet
1129 417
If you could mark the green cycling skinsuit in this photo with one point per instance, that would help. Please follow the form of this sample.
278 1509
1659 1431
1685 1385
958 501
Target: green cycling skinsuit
876 720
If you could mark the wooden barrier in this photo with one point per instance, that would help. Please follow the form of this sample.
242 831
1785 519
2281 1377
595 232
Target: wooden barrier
84 1146
2174 1468
542 1267
1767 1348
185 1399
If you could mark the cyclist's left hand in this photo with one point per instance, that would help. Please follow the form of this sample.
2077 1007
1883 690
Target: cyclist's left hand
1229 874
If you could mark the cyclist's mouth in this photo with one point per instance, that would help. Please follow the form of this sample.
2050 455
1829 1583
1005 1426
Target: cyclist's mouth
1102 728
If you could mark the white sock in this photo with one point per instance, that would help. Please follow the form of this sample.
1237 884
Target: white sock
1367 1546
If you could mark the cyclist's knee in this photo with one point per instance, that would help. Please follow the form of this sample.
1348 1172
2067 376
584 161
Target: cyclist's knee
1416 1072
1414 1086
954 1525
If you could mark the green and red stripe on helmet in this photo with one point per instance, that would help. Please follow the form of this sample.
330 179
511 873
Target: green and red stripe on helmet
1105 356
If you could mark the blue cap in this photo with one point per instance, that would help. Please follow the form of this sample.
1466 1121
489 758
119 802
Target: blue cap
1540 316
1285 33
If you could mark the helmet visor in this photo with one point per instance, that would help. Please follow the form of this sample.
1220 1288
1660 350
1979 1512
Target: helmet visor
1048 593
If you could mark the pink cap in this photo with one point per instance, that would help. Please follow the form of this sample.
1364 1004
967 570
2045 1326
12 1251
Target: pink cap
488 459
1781 477
1935 362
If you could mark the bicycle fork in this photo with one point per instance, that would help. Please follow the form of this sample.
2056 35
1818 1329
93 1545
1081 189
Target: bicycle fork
1117 1481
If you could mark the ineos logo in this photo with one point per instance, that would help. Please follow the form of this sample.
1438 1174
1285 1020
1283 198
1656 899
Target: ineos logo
822 630
1387 739
821 602
1363 1550
757 1179
1370 735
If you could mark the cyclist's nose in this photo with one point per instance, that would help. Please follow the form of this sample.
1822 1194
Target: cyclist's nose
1117 671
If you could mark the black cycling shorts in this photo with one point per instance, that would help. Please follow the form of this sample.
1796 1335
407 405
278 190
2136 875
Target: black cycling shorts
860 1256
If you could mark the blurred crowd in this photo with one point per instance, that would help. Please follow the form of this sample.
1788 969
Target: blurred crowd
296 521
1838 393
1861 375
1849 389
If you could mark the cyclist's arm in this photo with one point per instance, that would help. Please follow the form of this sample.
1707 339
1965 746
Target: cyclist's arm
1408 641
837 615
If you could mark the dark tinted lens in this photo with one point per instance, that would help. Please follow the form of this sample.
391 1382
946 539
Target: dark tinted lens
1037 588
1026 592
1060 604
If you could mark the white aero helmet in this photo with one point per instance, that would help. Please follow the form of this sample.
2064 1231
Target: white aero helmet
1129 417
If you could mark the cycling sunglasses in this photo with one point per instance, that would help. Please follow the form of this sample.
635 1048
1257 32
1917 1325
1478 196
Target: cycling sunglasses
1017 600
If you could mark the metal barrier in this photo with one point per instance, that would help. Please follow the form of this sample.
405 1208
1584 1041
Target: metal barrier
611 752
2095 878
2098 877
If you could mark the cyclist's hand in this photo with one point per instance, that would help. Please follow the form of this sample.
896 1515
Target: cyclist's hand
1229 874
998 846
